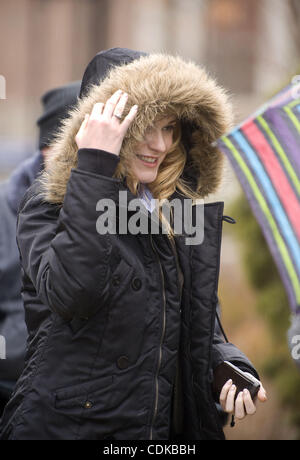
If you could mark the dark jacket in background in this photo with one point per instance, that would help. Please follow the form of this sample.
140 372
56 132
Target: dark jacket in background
12 323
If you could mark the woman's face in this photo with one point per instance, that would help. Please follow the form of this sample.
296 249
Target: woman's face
150 153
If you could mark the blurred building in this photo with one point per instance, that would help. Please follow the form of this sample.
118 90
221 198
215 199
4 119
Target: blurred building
246 44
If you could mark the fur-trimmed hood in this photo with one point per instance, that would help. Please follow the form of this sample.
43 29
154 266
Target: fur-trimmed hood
154 82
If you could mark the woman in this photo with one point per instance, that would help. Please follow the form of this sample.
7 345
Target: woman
122 341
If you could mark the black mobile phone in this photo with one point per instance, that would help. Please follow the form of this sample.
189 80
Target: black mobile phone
240 379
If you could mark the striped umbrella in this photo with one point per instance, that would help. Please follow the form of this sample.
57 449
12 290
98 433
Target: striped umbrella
264 151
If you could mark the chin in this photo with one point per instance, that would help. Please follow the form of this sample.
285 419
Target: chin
147 178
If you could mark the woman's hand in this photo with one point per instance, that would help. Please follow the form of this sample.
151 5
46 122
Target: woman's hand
103 129
243 405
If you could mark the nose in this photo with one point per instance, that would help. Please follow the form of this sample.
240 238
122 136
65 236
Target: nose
156 142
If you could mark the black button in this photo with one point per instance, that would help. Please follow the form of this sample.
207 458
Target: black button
136 284
116 280
123 362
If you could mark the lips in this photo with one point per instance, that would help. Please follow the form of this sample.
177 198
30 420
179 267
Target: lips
148 160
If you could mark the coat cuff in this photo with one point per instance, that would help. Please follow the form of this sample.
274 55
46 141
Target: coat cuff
97 161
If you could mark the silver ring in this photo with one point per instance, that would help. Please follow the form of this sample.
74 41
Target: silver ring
118 116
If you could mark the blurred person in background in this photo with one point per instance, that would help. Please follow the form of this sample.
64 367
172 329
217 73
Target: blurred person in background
122 325
56 104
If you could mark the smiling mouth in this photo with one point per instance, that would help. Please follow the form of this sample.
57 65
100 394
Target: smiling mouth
147 159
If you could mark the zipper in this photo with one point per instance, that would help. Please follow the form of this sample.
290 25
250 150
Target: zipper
161 341
179 271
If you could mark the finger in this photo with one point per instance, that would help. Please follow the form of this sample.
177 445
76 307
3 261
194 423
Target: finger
111 104
130 117
97 111
85 122
224 392
229 405
83 125
248 403
120 106
262 394
239 411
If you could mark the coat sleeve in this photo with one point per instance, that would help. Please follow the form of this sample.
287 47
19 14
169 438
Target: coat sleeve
222 350
61 252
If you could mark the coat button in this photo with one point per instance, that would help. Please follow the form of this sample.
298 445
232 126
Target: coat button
136 284
88 404
116 281
123 362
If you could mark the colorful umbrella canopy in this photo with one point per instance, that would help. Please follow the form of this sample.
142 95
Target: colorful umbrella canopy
264 151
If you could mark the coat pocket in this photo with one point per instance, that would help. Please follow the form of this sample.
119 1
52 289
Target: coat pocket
81 396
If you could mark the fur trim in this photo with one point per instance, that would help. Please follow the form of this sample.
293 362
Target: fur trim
155 83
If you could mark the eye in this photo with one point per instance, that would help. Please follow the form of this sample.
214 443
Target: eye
169 128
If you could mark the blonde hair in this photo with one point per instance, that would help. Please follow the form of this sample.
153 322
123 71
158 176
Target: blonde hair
168 178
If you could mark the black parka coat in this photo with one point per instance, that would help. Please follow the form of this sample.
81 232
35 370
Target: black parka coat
120 345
